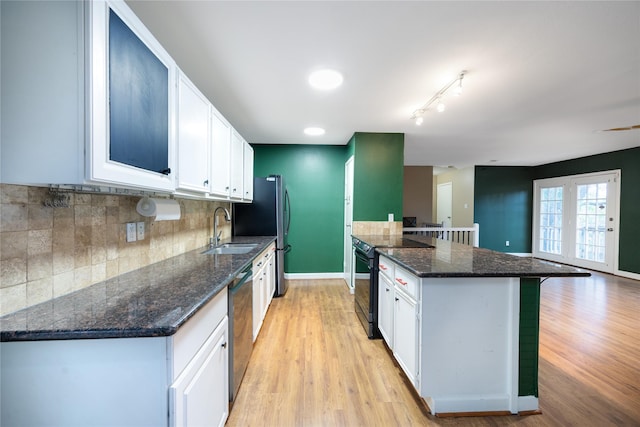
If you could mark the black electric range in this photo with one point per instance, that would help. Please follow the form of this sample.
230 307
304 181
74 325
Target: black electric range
365 275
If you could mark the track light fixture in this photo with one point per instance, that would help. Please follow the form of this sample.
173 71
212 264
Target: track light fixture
418 115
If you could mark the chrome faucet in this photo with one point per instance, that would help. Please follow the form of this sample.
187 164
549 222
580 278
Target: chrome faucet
213 241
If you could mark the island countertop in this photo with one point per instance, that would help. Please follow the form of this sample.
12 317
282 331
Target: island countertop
152 301
448 259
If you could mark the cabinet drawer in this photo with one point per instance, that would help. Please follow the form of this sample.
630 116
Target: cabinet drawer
192 335
406 281
263 259
386 267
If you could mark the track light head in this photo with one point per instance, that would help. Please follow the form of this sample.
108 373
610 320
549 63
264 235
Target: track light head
437 98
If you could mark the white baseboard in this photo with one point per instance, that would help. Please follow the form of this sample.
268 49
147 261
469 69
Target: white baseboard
313 276
522 254
527 403
627 274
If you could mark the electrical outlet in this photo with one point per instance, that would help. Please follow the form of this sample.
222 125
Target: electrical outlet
140 229
506 243
131 232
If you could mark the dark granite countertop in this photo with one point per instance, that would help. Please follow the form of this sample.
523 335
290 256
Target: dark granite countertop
152 301
447 259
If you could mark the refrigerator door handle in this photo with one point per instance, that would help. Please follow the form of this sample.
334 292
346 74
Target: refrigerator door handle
285 250
287 208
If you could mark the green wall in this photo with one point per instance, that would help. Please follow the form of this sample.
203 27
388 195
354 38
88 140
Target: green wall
378 175
500 202
314 175
503 200
529 335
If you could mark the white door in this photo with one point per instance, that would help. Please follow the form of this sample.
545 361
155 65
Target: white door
576 220
348 220
443 204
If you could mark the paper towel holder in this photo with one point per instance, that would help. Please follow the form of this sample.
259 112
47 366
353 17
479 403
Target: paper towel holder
162 209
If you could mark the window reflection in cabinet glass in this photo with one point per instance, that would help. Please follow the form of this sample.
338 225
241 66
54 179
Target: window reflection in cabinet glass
138 101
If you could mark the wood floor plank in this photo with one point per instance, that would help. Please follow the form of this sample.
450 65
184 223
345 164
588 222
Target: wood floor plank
313 365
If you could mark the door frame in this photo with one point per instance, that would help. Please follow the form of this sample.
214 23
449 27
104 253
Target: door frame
348 262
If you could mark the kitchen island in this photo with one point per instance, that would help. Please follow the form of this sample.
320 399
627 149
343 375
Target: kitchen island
139 349
463 323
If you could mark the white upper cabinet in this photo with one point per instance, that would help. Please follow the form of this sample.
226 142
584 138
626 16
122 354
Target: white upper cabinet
237 165
90 99
247 175
132 101
220 184
194 137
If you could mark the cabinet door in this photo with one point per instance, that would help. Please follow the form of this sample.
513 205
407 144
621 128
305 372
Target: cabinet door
247 172
258 298
385 308
132 85
271 276
405 334
265 290
193 137
219 184
237 165
200 395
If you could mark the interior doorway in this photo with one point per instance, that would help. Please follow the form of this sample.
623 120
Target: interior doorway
444 204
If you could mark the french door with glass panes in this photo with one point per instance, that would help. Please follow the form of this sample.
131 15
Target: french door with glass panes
576 220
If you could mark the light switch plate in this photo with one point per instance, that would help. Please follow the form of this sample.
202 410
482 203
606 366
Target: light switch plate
140 230
131 232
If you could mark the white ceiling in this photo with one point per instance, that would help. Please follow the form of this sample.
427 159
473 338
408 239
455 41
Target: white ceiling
543 77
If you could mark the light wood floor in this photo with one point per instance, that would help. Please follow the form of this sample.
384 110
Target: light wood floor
308 364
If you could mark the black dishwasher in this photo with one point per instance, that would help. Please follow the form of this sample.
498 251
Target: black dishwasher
240 328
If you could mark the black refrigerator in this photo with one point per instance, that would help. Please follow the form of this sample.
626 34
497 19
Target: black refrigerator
268 215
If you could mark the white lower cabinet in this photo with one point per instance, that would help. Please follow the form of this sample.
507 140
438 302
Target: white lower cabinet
455 338
386 295
199 397
263 287
399 316
179 380
271 275
406 335
258 299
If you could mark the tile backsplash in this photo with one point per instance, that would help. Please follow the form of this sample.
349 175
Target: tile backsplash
46 252
384 228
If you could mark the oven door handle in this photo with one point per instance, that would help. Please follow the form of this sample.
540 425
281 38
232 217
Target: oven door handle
361 256
370 262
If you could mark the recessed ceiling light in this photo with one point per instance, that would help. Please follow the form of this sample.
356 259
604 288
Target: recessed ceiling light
325 79
314 131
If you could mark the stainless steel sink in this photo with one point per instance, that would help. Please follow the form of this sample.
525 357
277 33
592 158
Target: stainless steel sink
231 249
